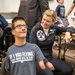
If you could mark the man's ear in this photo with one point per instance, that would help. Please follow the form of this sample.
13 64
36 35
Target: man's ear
12 32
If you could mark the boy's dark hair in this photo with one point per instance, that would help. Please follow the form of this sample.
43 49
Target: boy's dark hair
57 0
15 19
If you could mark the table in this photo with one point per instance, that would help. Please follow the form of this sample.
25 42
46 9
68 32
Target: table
64 46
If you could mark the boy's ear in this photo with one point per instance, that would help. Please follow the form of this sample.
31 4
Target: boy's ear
12 31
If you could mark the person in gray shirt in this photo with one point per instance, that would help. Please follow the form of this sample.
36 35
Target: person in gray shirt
22 56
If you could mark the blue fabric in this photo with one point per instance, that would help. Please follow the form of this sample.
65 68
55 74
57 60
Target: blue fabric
60 9
3 21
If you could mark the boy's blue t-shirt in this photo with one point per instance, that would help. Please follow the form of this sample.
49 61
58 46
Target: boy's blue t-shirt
60 9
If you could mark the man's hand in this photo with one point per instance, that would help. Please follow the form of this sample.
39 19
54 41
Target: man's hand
67 37
49 65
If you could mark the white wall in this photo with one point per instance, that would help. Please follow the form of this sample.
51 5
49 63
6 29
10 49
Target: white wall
13 5
9 5
67 3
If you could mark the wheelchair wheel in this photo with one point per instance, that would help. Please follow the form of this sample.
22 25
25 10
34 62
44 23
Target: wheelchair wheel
4 72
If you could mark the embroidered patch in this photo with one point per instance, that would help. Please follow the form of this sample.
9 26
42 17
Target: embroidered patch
40 35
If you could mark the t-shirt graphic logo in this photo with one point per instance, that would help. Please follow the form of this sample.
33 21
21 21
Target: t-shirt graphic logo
40 35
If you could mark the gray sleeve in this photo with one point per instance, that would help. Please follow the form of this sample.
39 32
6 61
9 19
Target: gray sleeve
39 54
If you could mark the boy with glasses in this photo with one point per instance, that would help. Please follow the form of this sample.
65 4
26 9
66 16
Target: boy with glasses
21 56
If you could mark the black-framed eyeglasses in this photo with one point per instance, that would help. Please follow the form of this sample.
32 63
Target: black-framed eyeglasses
20 26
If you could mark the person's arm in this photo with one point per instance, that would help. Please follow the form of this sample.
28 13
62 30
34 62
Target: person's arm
42 65
49 65
39 57
67 37
45 68
59 29
70 10
33 36
68 34
68 30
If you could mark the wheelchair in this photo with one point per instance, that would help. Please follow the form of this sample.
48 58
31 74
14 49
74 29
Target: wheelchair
6 41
